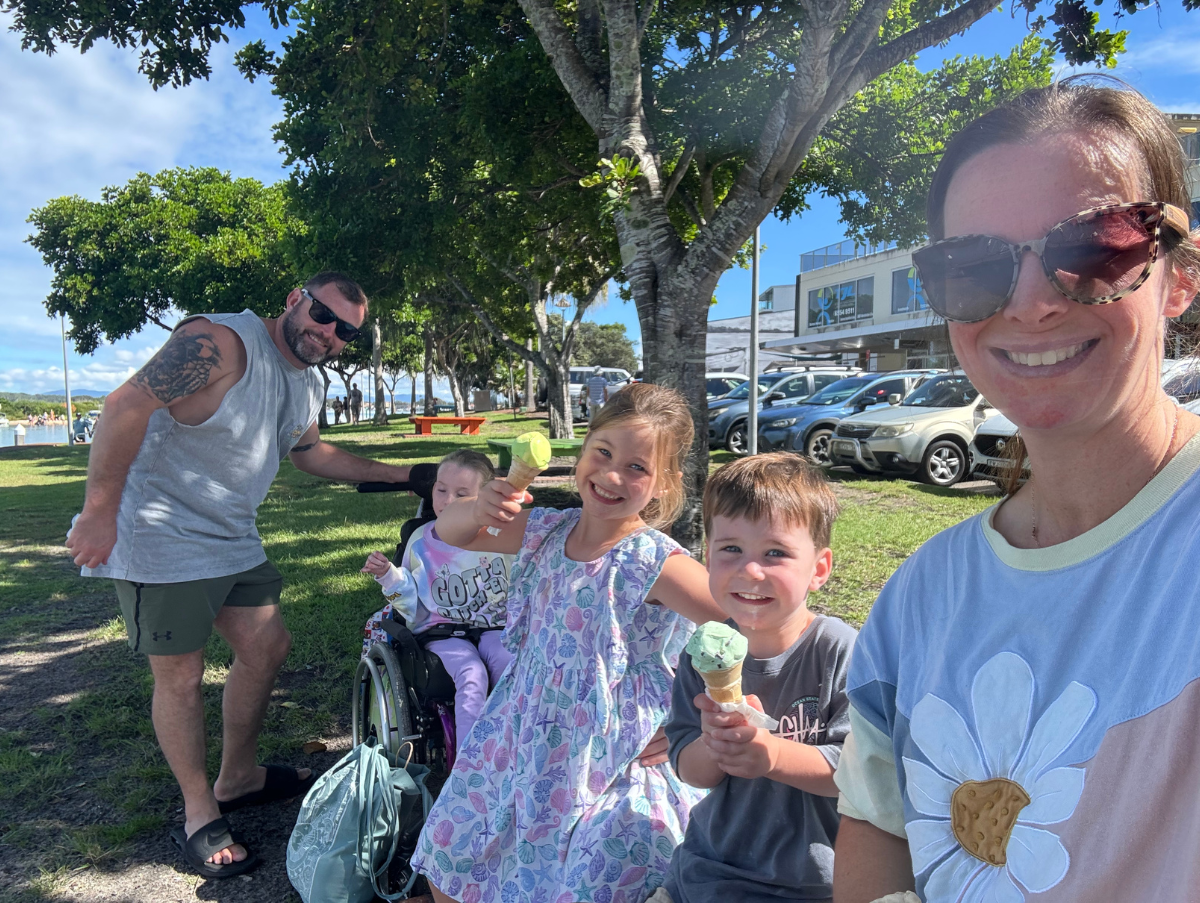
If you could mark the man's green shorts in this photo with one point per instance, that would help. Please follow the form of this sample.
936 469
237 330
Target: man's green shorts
176 618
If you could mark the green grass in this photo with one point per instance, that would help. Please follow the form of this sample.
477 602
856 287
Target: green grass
91 737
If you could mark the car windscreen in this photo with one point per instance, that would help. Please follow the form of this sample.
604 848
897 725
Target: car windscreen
839 391
719 385
743 391
951 391
1184 385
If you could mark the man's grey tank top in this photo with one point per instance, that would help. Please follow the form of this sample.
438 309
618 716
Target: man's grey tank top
187 511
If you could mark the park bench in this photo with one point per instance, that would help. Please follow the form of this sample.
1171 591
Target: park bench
559 447
468 426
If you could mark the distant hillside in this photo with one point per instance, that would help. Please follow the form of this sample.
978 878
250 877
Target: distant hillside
58 397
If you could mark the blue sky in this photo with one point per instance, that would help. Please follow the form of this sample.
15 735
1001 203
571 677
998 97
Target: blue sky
74 123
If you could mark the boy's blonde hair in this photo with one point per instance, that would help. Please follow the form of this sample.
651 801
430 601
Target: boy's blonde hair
471 460
780 487
667 413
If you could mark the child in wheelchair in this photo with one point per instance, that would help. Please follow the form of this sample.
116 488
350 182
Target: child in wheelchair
453 600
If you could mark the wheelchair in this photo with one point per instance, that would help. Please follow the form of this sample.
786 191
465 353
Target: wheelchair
402 692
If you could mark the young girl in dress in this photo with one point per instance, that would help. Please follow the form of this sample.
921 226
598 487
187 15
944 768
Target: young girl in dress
548 802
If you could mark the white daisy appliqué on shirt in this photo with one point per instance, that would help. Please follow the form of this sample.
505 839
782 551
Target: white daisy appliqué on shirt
986 792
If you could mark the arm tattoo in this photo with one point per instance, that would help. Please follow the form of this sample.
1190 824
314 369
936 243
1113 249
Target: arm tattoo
304 448
182 367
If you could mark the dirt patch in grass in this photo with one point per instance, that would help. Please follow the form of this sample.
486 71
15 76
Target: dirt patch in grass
87 817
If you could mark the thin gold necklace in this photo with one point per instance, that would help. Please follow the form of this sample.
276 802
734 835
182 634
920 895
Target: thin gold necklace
1161 464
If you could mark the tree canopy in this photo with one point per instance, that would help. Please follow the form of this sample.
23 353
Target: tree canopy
188 240
688 122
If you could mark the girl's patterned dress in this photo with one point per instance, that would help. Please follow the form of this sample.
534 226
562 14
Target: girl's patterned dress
546 803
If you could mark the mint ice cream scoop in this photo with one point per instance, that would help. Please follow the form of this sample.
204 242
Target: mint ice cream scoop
532 449
716 646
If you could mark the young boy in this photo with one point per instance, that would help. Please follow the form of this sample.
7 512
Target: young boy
766 830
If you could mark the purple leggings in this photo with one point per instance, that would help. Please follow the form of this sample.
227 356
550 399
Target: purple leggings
470 668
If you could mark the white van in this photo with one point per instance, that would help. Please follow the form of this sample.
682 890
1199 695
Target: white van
579 377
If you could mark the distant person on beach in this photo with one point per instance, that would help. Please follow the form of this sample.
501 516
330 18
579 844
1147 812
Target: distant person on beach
337 410
221 402
356 398
81 430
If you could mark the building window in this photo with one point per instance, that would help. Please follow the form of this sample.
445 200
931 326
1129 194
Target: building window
766 301
843 303
1191 146
865 305
907 295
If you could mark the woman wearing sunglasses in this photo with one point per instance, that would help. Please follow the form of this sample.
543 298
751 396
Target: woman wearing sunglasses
1025 702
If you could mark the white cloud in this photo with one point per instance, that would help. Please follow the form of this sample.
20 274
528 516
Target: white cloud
74 123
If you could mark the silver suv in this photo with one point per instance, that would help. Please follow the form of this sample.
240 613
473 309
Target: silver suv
928 434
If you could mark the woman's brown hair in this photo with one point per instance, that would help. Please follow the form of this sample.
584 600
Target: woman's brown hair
1089 105
667 413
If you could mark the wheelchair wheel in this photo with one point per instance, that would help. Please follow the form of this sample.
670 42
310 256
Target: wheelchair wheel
382 702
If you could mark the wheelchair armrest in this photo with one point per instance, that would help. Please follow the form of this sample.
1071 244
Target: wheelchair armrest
413 655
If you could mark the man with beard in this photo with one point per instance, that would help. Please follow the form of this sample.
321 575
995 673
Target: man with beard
180 462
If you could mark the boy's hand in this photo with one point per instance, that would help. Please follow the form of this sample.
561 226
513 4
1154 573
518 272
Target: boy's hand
377 565
737 748
656 750
498 503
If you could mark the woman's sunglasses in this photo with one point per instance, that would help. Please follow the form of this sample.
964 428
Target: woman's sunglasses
319 313
1094 257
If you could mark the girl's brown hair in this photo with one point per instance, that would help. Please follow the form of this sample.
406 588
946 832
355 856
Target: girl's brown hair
1089 105
472 460
667 413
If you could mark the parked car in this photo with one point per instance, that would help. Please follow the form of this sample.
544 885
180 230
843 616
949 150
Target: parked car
989 450
580 375
927 434
1182 380
717 385
808 427
727 416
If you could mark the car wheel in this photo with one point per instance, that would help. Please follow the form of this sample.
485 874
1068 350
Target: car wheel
944 464
737 440
816 446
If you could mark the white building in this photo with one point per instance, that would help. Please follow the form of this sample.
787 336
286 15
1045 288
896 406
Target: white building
867 301
728 345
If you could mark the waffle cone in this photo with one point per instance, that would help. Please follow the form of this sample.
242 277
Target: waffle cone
724 684
520 475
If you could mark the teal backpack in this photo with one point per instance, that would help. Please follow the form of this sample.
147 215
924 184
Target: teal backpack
351 825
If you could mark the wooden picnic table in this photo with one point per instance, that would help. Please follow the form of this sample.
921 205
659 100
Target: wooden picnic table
561 447
468 426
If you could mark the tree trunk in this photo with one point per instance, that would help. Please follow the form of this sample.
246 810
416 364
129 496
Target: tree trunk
412 399
675 357
322 417
558 404
530 388
428 370
380 418
456 392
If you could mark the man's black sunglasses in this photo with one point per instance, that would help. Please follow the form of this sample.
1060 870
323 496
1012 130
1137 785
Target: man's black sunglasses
319 313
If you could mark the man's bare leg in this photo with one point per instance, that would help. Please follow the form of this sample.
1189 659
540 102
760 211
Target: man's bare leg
177 710
260 645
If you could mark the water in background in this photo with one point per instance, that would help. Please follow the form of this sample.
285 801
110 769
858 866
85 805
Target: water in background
35 435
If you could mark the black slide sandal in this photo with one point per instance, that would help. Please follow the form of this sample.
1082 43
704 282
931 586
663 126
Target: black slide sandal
208 841
283 782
